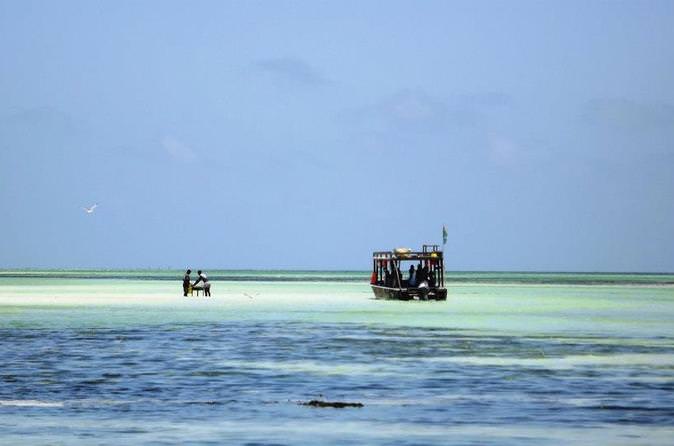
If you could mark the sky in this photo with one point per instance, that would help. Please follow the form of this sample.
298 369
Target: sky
305 134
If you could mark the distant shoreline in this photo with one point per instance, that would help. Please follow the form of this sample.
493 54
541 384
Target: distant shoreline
300 270
298 276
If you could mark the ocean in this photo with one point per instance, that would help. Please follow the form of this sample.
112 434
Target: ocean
110 357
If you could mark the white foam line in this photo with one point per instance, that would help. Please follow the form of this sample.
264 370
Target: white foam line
626 360
30 403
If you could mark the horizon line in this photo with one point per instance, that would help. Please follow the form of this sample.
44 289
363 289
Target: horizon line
80 269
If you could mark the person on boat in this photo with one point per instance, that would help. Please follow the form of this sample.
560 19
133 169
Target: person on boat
203 278
403 282
412 282
387 278
186 282
394 280
397 278
422 275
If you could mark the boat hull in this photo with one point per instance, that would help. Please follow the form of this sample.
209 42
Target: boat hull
382 292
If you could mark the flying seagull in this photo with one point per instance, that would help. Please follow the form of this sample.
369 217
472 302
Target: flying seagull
91 209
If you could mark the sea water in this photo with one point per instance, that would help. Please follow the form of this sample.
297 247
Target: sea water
110 357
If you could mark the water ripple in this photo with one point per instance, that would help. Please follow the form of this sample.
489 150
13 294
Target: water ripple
240 371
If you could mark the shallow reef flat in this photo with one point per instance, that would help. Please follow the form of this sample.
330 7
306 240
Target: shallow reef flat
105 360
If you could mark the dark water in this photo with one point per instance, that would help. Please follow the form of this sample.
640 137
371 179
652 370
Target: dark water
180 382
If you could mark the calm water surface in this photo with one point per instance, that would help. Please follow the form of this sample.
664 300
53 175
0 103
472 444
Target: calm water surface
506 360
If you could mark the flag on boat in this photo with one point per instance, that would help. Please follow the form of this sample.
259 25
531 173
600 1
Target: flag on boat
444 235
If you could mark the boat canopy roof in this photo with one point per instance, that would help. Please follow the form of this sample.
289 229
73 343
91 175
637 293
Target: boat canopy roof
428 252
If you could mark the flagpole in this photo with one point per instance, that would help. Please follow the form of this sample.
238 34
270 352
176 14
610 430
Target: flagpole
444 237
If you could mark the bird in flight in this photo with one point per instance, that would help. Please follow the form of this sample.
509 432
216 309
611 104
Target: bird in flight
91 209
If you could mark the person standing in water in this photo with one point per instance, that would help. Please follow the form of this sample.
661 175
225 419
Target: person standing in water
203 278
186 282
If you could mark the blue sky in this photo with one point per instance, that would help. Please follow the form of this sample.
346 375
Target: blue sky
308 134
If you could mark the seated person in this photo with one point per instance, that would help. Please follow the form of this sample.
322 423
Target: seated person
207 285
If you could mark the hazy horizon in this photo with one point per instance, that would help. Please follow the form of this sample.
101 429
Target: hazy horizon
23 269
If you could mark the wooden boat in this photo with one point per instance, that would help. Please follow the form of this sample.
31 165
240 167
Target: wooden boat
387 276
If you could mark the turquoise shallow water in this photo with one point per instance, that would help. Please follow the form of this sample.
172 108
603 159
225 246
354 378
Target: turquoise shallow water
352 276
118 356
